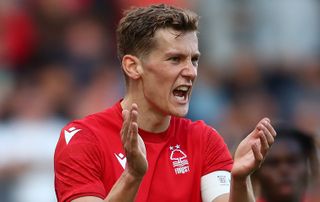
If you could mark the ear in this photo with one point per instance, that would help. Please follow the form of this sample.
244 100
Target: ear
131 65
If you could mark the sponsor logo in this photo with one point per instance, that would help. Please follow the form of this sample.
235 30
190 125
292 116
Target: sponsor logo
122 159
68 134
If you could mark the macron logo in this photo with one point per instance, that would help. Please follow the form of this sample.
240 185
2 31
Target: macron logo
69 134
122 159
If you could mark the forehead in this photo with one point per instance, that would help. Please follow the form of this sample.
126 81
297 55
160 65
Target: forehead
285 147
172 40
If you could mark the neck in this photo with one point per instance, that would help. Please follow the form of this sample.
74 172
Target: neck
149 119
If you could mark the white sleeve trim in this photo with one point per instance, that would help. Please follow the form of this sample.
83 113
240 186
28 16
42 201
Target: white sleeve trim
215 184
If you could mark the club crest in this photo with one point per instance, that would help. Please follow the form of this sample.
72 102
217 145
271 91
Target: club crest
179 160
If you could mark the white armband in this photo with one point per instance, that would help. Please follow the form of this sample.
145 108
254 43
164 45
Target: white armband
215 184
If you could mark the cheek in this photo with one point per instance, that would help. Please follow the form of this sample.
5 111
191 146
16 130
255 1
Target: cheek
155 78
301 172
158 84
155 91
268 176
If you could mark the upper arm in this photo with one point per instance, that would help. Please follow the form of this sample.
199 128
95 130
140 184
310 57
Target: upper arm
215 179
88 199
215 185
216 153
78 165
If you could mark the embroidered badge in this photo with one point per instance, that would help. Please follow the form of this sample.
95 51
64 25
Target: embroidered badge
179 160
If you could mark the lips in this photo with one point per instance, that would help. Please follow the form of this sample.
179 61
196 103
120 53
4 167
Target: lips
285 186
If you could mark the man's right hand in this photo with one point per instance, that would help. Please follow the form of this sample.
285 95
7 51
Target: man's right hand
133 144
126 187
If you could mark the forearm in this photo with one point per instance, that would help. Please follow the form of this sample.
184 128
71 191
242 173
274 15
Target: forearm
241 190
125 189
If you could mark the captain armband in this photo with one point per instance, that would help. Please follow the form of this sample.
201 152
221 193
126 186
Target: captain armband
215 184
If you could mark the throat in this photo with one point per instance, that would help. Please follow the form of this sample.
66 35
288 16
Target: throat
153 123
150 118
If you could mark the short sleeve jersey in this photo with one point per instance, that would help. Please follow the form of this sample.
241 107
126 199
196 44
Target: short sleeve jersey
89 158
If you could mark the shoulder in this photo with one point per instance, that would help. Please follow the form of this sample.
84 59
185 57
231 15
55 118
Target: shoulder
97 122
88 129
77 144
195 127
196 131
108 117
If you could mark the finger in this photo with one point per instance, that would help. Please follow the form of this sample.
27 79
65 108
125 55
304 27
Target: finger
266 133
132 116
133 126
257 154
260 122
134 113
264 143
134 135
134 106
270 128
133 120
265 119
125 125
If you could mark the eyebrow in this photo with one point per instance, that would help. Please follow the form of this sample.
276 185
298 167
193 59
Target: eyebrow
170 53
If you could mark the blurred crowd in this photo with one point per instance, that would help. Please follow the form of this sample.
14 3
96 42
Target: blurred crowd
58 62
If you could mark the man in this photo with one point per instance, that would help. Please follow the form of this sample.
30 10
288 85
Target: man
290 165
141 149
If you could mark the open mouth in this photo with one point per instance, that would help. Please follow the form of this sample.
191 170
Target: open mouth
181 92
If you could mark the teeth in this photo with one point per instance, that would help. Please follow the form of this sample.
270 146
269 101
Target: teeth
180 98
183 88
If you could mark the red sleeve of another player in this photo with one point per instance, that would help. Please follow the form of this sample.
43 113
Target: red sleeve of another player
77 164
217 155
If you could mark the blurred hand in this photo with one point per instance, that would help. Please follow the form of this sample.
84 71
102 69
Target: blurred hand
133 144
253 149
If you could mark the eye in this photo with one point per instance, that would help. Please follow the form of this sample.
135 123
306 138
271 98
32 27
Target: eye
195 61
175 59
271 162
295 160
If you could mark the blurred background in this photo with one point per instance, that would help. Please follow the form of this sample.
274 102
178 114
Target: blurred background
58 62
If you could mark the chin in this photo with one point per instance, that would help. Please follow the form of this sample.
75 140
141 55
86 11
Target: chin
180 112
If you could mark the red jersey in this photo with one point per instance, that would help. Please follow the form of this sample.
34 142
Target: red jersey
89 158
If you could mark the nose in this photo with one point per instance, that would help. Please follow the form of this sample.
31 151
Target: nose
285 168
190 71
